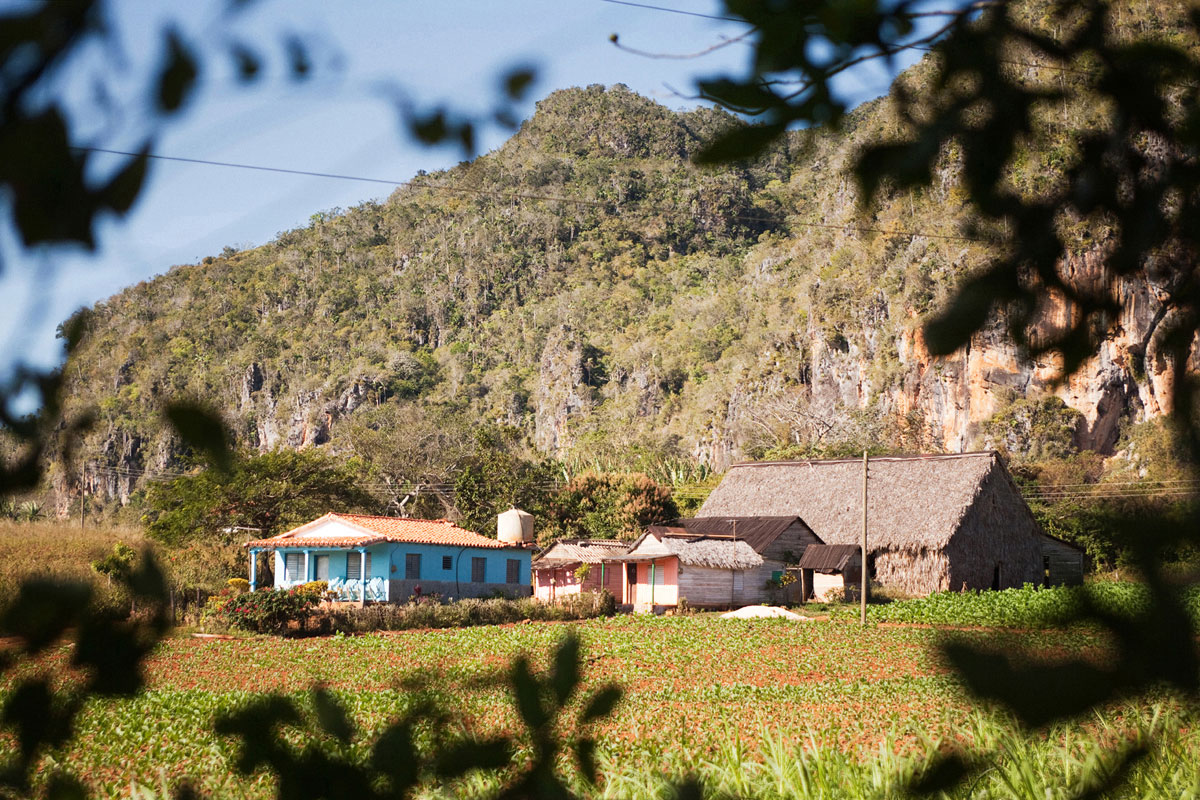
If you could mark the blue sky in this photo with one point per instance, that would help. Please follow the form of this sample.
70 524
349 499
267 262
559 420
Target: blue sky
340 121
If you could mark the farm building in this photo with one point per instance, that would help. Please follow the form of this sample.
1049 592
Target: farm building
381 559
935 523
556 569
830 569
712 562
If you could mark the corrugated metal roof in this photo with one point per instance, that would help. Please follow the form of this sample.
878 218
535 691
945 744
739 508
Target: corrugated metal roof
371 530
828 556
579 551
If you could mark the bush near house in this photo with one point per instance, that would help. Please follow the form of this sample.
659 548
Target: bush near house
272 611
464 613
295 611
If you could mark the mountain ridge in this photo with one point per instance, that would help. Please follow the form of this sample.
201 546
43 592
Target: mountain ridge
656 306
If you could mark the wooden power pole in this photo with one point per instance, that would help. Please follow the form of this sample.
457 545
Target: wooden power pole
862 568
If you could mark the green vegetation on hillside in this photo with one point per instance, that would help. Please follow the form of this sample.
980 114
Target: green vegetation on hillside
585 284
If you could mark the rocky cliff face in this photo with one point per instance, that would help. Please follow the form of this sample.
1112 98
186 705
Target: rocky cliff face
952 397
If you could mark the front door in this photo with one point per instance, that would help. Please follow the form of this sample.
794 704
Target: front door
322 568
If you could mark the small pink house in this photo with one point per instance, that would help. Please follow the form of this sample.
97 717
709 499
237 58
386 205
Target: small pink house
556 570
712 562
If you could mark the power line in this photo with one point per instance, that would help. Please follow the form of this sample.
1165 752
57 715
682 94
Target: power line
676 11
337 176
786 222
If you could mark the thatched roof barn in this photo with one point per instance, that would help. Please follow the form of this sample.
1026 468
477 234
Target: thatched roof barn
935 523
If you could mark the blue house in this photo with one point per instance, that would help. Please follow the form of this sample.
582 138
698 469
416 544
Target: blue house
383 559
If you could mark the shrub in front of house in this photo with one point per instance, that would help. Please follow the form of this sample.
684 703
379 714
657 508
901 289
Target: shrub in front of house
461 614
267 611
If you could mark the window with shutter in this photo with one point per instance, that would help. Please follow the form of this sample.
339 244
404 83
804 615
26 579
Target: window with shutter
293 566
478 569
514 571
412 566
447 562
354 566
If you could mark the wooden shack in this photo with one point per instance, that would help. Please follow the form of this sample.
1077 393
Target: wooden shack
713 562
935 523
830 570
556 569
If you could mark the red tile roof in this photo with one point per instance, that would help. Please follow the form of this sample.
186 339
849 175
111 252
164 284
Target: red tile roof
381 529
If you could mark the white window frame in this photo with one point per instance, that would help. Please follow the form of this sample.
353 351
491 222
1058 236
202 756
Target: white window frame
354 566
293 566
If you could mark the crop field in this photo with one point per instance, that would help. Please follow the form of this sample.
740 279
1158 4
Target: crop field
727 699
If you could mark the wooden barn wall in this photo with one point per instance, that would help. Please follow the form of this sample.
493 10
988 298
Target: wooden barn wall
793 541
706 586
998 529
1065 563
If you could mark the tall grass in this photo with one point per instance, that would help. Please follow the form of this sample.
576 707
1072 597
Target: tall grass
57 549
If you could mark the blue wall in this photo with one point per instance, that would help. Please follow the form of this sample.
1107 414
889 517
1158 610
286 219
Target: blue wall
388 562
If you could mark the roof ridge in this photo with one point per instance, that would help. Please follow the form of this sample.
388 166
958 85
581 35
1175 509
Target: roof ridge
858 460
382 516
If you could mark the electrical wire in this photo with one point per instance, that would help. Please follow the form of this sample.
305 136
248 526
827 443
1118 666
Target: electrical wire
676 11
646 210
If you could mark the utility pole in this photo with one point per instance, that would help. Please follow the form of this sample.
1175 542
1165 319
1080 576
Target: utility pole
862 568
733 572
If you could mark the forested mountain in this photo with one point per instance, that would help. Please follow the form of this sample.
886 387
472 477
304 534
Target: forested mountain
589 285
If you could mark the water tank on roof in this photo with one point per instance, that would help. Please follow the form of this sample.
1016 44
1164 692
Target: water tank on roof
515 526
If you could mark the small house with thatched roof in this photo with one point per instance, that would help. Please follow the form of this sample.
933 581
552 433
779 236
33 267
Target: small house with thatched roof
571 566
713 562
935 523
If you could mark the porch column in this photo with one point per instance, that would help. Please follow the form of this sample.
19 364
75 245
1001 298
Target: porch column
307 566
602 587
362 572
253 570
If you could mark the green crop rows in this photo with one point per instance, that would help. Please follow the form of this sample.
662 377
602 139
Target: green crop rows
1028 607
766 708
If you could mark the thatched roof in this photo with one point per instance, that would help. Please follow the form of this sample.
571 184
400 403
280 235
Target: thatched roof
758 532
566 552
914 502
696 551
828 556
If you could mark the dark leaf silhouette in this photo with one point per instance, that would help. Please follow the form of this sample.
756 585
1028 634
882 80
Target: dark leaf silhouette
200 428
179 73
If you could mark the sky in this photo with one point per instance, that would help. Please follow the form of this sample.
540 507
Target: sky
341 120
